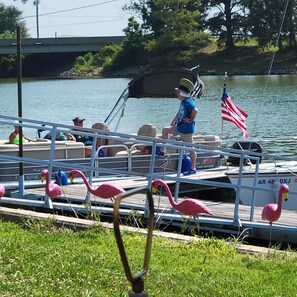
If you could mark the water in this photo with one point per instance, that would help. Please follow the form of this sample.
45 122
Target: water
270 103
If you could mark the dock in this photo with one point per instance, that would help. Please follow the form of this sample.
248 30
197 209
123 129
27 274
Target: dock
224 220
210 184
76 193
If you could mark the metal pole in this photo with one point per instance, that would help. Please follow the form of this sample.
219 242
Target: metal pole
20 111
36 2
222 127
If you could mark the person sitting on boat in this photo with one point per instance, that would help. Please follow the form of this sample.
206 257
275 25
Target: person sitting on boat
60 136
79 122
14 137
183 123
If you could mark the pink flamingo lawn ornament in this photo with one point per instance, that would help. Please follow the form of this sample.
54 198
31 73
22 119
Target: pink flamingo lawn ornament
2 190
188 206
52 190
272 212
105 190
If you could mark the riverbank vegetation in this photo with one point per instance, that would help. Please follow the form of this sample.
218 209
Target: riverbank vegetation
240 37
38 259
245 59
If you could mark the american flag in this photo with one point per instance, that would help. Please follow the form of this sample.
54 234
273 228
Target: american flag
232 113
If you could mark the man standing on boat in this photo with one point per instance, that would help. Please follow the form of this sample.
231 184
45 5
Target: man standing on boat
183 123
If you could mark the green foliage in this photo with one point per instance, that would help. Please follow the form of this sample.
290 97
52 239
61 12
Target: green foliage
108 55
92 215
132 51
7 34
9 19
225 19
105 58
7 65
84 64
168 32
46 261
38 225
265 18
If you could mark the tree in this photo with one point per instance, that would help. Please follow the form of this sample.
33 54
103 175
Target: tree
133 52
226 20
292 25
170 28
265 21
9 19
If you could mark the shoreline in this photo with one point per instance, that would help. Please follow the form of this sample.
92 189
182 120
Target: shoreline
133 72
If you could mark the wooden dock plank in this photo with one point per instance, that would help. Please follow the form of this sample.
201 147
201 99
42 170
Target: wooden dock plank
220 209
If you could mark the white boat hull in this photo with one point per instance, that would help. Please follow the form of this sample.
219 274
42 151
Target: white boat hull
269 178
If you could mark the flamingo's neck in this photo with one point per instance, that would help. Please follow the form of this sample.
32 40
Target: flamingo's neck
47 181
84 179
169 194
279 202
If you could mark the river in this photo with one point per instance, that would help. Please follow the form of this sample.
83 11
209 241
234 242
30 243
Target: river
270 103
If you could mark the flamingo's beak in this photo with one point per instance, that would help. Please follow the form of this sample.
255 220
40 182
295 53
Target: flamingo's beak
42 178
286 196
71 179
154 190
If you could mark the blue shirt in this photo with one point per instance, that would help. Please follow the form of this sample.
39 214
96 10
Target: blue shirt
185 110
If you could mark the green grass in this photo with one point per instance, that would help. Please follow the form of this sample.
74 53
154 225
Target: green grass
243 60
41 260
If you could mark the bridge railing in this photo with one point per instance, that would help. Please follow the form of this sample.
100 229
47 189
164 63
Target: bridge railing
58 45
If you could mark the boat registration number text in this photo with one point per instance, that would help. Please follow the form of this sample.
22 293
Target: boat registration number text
272 181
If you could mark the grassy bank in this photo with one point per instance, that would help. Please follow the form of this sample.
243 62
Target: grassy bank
44 261
245 60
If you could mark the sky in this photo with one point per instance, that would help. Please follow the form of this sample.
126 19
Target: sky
74 18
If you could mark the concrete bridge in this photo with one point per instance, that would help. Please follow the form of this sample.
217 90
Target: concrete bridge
58 45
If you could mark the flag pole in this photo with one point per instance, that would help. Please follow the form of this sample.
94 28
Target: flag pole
222 128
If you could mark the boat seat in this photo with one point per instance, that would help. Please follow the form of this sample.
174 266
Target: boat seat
101 141
113 149
211 140
148 130
125 153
